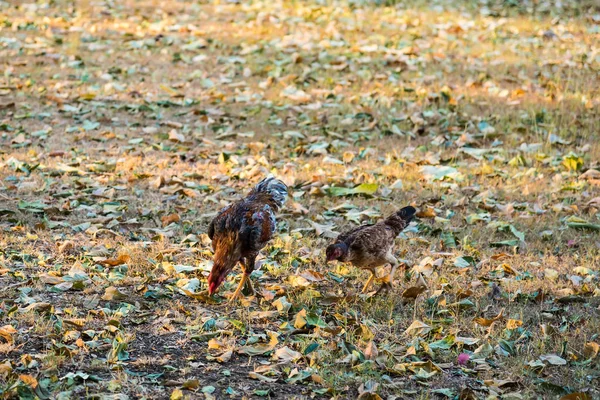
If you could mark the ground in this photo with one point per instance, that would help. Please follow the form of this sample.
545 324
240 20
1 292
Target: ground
126 125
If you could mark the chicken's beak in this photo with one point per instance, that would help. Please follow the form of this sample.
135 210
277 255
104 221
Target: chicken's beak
214 283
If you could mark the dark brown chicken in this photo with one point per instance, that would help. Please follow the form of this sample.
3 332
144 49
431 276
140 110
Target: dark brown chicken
242 229
371 246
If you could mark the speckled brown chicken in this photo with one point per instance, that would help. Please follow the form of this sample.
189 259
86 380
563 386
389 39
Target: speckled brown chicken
371 246
242 229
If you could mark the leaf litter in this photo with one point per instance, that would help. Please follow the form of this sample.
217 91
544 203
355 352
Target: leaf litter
125 127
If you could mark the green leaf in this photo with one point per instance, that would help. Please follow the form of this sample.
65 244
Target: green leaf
208 389
448 239
440 172
464 261
519 235
310 348
505 243
90 126
262 392
33 207
298 376
445 392
582 224
443 344
314 320
364 188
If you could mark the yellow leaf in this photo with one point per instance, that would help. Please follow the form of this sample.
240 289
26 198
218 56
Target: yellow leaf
551 274
169 90
88 96
513 323
508 269
417 328
214 344
300 321
7 331
112 293
29 381
177 394
5 369
202 296
591 349
192 384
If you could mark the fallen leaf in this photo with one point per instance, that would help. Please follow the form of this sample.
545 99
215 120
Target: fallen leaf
553 359
113 262
590 350
7 332
488 322
417 328
364 188
112 293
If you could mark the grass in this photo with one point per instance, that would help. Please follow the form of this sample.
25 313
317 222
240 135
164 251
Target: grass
125 126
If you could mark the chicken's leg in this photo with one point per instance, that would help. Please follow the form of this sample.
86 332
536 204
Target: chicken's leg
389 282
238 291
364 289
247 268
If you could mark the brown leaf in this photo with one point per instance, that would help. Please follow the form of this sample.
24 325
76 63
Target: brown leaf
174 136
113 262
4 106
225 357
371 351
157 183
576 396
65 246
464 294
428 212
487 322
50 279
413 292
312 276
169 219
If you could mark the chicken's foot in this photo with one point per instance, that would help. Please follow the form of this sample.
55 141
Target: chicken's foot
238 291
364 289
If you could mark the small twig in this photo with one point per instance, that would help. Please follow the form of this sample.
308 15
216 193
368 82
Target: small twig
15 285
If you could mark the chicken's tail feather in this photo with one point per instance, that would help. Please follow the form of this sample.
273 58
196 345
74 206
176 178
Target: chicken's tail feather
400 219
276 189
